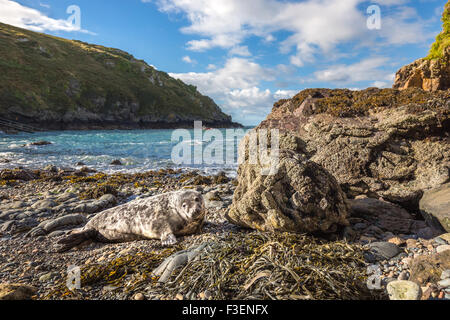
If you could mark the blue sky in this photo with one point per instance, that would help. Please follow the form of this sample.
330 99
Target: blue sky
247 54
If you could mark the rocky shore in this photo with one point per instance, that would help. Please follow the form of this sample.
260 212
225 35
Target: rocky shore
40 206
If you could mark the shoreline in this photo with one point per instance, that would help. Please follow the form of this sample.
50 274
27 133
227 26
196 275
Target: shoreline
51 126
31 198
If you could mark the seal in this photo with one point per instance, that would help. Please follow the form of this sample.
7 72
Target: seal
163 217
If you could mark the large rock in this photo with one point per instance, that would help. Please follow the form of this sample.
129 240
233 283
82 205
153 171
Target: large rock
16 292
435 207
382 143
301 196
390 217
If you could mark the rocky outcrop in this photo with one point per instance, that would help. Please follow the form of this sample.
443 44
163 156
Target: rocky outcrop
426 74
433 72
381 143
435 207
297 196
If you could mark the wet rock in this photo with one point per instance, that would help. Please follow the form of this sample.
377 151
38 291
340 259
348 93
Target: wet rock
300 196
379 251
16 292
40 143
116 163
404 290
435 207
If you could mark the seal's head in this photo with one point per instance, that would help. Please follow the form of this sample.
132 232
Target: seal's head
191 205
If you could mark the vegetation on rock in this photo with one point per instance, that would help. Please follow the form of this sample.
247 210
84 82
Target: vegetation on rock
60 83
443 39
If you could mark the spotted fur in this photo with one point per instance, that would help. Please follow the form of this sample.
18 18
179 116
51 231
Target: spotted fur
161 217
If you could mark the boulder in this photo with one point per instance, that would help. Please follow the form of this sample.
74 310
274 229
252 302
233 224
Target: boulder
299 196
382 143
390 217
379 251
16 292
435 207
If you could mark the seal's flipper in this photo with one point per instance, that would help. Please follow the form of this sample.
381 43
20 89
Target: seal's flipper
76 239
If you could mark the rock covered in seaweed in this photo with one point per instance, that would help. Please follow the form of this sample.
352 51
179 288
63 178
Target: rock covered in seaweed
300 197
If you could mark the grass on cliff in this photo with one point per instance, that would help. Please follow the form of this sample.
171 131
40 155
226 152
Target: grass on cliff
443 39
40 73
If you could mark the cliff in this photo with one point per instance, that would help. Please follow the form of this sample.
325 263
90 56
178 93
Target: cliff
433 72
55 83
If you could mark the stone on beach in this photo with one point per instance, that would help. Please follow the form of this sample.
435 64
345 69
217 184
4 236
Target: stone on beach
404 290
300 197
16 292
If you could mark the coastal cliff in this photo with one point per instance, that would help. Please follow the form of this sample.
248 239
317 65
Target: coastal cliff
433 72
55 83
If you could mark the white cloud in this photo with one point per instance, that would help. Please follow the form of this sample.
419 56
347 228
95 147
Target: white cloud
314 26
240 51
188 59
370 69
235 87
21 16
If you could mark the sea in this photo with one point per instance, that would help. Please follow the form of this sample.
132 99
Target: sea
138 150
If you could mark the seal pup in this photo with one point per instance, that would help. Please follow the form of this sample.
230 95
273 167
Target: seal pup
163 217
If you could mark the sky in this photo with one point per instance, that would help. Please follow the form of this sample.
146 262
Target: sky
248 54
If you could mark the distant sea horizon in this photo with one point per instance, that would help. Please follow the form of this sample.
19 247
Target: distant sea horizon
137 150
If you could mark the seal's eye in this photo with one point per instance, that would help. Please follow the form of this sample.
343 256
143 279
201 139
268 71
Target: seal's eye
197 199
184 205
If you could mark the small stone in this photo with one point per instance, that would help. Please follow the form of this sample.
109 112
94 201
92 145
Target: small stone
442 248
139 297
404 275
179 296
46 277
411 243
445 274
444 283
397 241
404 290
116 163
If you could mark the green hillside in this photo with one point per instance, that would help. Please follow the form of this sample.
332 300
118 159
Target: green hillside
60 83
443 39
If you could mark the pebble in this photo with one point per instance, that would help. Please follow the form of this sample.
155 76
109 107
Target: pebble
442 248
445 274
179 296
139 297
444 283
404 275
404 290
